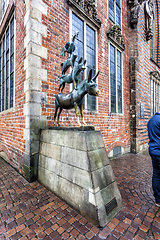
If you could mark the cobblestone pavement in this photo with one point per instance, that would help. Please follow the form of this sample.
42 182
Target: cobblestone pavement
30 211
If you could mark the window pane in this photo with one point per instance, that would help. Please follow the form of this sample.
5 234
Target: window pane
112 79
7 68
118 16
155 97
119 82
111 10
7 92
11 64
152 97
0 74
11 89
4 5
7 40
90 57
77 25
12 28
118 2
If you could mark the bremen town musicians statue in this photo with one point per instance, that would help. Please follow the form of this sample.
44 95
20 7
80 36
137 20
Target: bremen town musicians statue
73 99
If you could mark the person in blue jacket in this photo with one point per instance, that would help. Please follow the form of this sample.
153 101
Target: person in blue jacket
154 151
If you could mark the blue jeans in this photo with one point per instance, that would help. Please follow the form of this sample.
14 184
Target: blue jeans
156 177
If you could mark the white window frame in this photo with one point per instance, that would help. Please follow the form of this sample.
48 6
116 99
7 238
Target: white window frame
154 99
115 12
96 51
116 48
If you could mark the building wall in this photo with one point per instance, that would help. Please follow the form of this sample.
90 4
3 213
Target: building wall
141 65
112 126
41 30
12 121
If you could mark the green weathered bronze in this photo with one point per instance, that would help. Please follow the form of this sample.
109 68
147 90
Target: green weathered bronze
74 98
73 76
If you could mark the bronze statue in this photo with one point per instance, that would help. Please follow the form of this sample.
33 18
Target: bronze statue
68 63
73 76
74 99
69 47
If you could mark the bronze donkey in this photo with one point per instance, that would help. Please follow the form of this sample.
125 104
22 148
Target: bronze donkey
74 98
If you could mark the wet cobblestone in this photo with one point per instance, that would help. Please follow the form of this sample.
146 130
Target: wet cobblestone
30 211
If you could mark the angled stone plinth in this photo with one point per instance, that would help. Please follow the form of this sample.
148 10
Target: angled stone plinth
73 163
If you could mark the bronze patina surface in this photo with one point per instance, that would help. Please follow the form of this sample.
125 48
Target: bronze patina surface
73 99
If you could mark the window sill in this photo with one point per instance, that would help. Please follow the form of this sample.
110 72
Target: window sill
7 111
116 114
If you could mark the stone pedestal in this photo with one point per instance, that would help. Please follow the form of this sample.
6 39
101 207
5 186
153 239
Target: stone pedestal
73 163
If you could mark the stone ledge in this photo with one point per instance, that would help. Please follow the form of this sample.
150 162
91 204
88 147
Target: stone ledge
81 128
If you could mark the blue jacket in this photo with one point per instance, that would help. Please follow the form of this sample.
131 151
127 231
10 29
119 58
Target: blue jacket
154 135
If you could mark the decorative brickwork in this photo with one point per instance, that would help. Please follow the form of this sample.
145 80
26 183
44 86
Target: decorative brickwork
115 35
42 27
86 7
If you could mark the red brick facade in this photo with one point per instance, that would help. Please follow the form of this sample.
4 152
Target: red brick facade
127 130
12 120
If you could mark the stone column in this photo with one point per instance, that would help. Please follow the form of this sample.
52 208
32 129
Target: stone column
35 74
133 69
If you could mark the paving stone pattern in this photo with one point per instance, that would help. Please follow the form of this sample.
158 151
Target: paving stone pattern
30 211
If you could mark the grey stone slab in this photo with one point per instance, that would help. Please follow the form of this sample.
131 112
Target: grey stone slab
70 192
75 158
98 158
88 208
77 142
103 177
50 150
50 164
94 140
65 138
48 179
110 192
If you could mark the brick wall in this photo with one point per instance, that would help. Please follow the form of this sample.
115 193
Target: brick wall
12 121
140 67
36 80
115 129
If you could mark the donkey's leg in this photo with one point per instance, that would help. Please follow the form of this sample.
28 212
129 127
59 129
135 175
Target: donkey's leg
82 115
63 85
59 89
55 114
60 110
77 115
74 84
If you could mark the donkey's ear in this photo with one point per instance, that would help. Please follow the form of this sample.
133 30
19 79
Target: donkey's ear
95 76
84 62
80 60
90 75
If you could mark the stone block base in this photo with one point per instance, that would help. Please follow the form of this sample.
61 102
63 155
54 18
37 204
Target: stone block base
75 166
